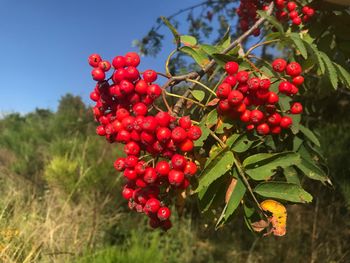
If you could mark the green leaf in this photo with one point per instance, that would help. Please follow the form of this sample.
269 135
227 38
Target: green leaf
284 102
222 59
312 171
299 44
208 195
212 118
198 55
225 41
343 74
291 175
309 134
205 134
240 143
209 49
198 94
330 70
272 21
261 166
296 122
316 53
215 169
285 191
188 40
173 30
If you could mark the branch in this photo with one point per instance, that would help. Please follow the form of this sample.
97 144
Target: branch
197 75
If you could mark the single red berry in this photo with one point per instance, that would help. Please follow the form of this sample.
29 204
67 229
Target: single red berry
163 213
118 62
154 91
296 21
310 12
250 127
140 168
279 65
223 90
194 133
163 168
132 148
178 134
128 123
123 136
262 94
98 74
104 65
163 134
122 113
150 75
274 119
231 67
272 98
163 118
186 145
176 177
245 116
140 109
119 75
235 97
152 205
147 138
140 183
127 193
185 122
231 80
132 73
286 122
293 69
141 87
263 129
132 59
254 83
126 87
190 168
150 175
293 14
265 84
119 164
305 9
298 80
285 87
296 108
291 6
94 96
130 174
94 59
149 124
275 129
256 116
242 76
178 162
100 130
131 161
223 106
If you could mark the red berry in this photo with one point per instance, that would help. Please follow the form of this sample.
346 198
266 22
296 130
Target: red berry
98 74
154 91
275 130
291 6
231 80
163 213
245 117
141 87
254 83
176 177
293 14
293 69
185 122
279 65
149 124
132 73
285 87
140 168
250 127
298 80
132 148
235 97
265 84
123 136
152 205
231 67
272 98
194 133
94 96
140 109
100 130
132 59
274 119
104 65
118 62
178 134
286 122
242 76
163 168
190 168
256 116
178 162
147 138
163 134
131 161
150 175
263 129
94 59
296 108
163 118
186 146
119 164
127 193
296 21
126 87
150 75
130 174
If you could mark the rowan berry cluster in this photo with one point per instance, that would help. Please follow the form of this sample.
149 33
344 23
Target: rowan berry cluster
247 98
155 167
283 11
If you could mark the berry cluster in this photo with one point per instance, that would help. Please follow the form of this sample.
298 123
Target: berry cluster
247 12
123 111
247 98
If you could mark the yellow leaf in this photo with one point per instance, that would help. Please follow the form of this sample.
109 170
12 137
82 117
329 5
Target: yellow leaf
278 218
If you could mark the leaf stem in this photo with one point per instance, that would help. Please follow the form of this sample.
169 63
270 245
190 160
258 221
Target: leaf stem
260 44
202 85
184 98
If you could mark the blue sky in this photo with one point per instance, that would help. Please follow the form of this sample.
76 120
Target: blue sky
44 45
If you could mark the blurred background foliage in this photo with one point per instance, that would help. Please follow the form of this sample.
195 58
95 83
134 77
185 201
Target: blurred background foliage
60 195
